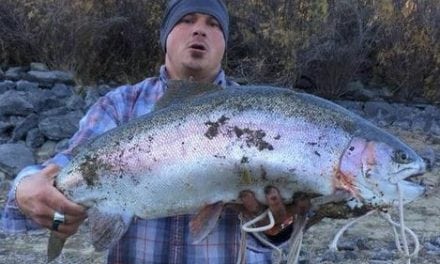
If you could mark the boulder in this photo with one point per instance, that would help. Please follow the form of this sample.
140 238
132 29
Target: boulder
15 103
14 157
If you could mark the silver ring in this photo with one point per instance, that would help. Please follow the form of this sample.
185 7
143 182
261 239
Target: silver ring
58 219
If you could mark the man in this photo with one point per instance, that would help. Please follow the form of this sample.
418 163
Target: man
193 35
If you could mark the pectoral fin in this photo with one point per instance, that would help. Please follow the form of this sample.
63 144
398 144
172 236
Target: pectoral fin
107 228
204 222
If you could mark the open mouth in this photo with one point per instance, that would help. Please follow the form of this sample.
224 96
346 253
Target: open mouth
198 47
416 178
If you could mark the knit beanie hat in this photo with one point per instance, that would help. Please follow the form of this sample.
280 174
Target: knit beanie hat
177 9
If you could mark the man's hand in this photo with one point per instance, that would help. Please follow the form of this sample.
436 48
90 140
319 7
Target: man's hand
39 199
283 214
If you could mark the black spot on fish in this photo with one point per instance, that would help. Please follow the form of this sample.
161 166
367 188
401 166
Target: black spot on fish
238 132
213 127
312 143
317 153
89 168
244 159
222 120
277 137
219 156
351 148
253 138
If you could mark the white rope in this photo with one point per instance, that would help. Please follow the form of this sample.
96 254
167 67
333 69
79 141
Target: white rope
296 239
403 247
414 236
247 227
334 244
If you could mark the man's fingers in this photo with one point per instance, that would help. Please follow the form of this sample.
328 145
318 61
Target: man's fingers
275 203
51 170
250 203
63 205
63 230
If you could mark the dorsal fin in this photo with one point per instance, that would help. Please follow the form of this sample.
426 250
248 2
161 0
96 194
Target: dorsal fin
178 91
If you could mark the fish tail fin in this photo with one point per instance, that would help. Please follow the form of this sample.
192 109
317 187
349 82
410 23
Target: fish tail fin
54 247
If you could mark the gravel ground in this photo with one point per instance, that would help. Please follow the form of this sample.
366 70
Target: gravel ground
369 241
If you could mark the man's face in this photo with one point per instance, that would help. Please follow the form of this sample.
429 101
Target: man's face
195 45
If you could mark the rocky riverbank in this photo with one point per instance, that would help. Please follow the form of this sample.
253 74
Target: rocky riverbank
40 110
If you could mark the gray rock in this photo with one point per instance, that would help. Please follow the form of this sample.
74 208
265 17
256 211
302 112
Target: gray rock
14 157
59 111
421 124
62 90
332 256
48 78
34 138
353 106
432 110
15 73
15 103
350 255
358 91
429 156
403 124
43 100
429 246
62 145
75 102
6 85
37 66
6 127
4 140
435 128
26 86
60 127
46 151
373 109
20 131
348 245
382 254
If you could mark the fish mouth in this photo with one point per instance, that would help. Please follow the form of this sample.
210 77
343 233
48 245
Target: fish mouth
416 179
412 175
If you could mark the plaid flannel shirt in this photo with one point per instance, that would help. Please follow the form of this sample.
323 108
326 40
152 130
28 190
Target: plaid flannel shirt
164 240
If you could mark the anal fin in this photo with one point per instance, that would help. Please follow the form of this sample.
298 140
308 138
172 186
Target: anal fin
107 228
204 222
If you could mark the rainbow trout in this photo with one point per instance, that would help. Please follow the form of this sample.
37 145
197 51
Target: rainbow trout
207 148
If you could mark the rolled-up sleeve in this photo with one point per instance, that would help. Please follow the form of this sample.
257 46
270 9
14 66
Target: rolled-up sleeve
13 219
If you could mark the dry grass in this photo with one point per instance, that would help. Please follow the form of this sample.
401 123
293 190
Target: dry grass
330 43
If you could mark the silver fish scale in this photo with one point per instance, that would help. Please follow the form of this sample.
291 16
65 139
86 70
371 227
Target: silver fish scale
210 147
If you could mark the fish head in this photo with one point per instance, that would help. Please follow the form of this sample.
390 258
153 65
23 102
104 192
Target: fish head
378 172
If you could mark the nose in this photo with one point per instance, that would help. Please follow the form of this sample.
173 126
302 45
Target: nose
199 32
199 29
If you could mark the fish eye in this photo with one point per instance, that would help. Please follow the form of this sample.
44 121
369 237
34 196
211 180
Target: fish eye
401 156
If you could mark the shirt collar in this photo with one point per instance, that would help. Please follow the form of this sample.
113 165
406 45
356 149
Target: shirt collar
220 79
